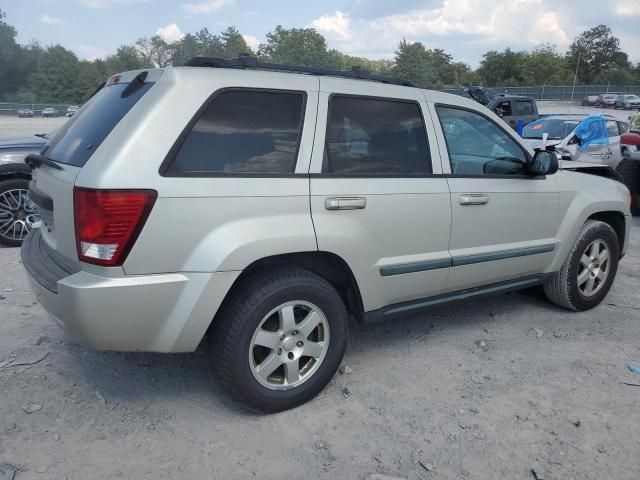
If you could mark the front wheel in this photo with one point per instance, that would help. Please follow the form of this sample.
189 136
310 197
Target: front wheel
18 213
588 272
279 339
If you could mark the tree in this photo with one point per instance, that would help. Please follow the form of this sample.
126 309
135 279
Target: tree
545 65
233 43
502 68
154 51
126 58
598 51
297 46
56 76
9 57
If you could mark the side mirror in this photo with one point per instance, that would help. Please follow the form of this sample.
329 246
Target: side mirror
544 162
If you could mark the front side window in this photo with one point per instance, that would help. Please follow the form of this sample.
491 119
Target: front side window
244 131
477 146
375 136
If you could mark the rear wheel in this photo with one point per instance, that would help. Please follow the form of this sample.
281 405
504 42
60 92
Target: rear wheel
18 213
279 339
629 170
588 272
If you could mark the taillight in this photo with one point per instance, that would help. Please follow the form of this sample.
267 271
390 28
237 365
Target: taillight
108 222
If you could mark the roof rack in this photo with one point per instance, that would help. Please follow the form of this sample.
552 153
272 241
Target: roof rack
248 62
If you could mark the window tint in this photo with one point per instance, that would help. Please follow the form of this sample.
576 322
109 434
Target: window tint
524 108
623 127
76 141
243 131
477 146
612 128
374 136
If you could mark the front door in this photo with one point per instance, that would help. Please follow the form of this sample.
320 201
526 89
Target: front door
378 200
504 221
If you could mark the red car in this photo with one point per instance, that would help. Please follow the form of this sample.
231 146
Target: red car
607 100
629 167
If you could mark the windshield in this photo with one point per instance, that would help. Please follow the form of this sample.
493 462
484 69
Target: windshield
556 128
76 141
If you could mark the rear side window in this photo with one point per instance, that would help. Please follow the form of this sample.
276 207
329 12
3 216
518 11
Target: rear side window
243 131
76 141
612 128
524 108
375 136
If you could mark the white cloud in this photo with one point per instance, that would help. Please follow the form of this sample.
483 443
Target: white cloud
170 33
628 8
206 7
107 3
252 41
89 52
333 26
49 20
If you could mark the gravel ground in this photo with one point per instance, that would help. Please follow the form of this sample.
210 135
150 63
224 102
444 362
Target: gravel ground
487 389
22 127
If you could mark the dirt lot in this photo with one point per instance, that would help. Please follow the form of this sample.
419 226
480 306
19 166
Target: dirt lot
484 390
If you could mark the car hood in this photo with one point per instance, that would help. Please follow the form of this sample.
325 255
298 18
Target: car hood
537 143
573 165
31 142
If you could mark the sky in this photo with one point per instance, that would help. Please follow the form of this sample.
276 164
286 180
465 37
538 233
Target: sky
370 28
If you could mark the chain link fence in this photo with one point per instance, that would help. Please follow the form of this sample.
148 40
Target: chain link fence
13 108
562 93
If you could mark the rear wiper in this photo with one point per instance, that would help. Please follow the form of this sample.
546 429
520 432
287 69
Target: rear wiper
41 135
35 160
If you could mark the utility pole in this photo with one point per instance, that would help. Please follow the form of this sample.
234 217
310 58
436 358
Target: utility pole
575 77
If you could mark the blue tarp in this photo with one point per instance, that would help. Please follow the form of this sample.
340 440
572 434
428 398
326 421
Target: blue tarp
592 131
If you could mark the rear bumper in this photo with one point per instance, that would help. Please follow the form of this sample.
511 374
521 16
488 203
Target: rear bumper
161 313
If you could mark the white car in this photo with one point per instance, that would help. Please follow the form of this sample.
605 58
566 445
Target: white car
265 204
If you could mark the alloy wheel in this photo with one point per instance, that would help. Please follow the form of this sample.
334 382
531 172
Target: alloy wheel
289 345
594 268
18 214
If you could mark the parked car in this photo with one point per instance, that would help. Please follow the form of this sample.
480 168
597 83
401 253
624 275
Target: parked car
628 102
25 113
272 205
630 165
71 110
49 112
606 100
561 136
590 101
18 214
510 108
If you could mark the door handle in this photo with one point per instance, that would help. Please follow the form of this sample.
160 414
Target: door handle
474 199
345 203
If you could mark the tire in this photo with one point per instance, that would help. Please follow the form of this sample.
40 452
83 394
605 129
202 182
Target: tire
16 211
237 358
563 288
629 170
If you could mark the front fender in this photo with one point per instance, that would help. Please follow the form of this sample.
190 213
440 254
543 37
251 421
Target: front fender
581 196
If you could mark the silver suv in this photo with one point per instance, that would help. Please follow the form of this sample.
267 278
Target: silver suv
265 204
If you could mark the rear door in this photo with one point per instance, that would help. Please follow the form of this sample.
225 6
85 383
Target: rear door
70 149
377 199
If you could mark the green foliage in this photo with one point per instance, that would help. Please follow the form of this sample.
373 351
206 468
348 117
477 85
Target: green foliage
297 46
30 73
598 52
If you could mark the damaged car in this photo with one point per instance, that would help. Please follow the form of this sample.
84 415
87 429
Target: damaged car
510 108
629 166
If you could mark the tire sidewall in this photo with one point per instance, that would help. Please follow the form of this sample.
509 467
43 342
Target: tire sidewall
598 231
331 305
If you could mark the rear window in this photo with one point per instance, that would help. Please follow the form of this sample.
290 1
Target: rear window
76 141
375 136
243 131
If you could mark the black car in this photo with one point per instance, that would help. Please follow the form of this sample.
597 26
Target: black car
511 108
18 214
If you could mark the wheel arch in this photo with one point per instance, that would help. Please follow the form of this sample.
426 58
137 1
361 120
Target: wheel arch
14 171
327 265
615 220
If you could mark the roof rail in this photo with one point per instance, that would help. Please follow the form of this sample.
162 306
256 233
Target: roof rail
248 62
